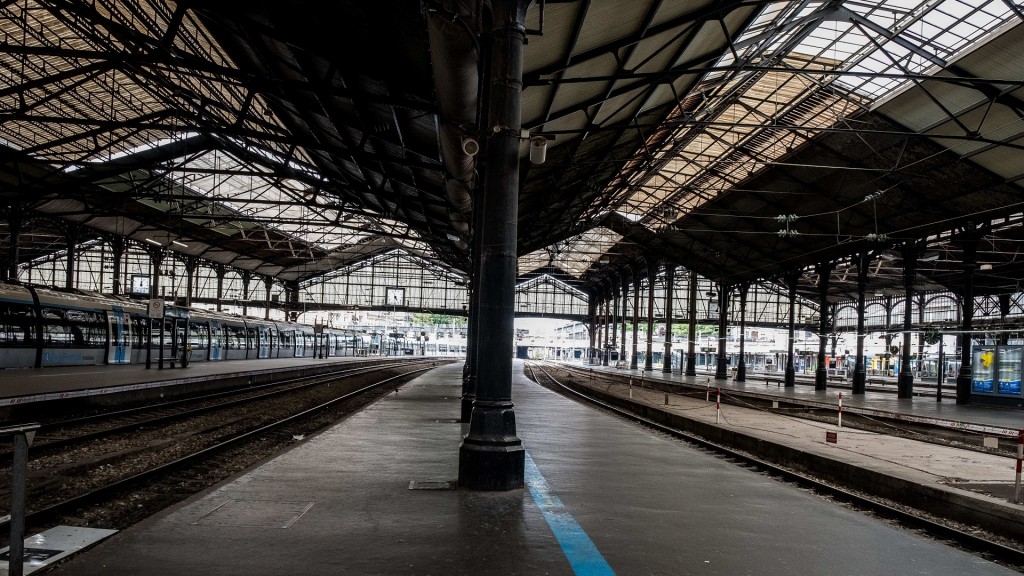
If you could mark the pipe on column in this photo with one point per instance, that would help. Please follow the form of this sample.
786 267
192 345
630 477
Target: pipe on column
492 456
606 348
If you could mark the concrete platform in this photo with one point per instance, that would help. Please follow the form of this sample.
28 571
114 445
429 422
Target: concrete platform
605 497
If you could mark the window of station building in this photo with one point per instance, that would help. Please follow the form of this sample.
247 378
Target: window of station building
17 325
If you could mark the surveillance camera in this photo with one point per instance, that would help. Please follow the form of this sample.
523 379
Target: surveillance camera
470 146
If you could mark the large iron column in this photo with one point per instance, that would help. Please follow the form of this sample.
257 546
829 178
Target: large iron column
859 375
691 338
666 361
614 347
593 328
606 347
824 270
741 368
722 365
791 280
652 274
636 317
963 377
14 222
905 382
492 457
625 300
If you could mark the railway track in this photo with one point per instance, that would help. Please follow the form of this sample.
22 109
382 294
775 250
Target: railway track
967 539
116 476
61 434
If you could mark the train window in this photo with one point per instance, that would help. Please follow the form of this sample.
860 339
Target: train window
236 337
250 338
17 325
198 335
74 328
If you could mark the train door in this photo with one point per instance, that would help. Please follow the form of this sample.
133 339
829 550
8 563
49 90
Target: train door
263 335
300 344
120 336
216 340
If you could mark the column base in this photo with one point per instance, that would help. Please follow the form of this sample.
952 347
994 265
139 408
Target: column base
905 385
492 457
790 381
491 467
821 378
741 372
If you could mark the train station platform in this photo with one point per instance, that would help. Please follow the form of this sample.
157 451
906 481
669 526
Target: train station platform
375 494
878 400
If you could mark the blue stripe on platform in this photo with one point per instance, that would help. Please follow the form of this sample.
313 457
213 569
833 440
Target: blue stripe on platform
577 546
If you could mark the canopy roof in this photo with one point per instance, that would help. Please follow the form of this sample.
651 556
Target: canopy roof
744 140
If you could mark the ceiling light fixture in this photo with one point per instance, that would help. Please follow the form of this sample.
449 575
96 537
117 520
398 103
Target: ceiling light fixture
151 241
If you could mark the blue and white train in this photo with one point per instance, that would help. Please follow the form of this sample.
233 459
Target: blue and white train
42 327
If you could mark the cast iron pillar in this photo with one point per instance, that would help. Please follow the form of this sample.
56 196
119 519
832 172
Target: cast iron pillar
268 286
117 248
614 289
791 280
824 270
71 234
625 300
636 317
15 219
492 456
220 285
963 377
606 347
722 364
859 375
190 273
246 280
593 327
741 368
666 361
905 382
652 274
691 335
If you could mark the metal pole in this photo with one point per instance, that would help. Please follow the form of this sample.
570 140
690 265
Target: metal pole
22 438
942 373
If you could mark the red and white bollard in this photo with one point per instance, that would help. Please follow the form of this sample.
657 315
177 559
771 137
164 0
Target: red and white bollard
1020 457
707 394
718 406
840 410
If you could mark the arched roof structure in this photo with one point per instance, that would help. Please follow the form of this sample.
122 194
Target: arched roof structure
741 139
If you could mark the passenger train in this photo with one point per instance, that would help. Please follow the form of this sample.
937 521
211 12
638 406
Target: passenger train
42 327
